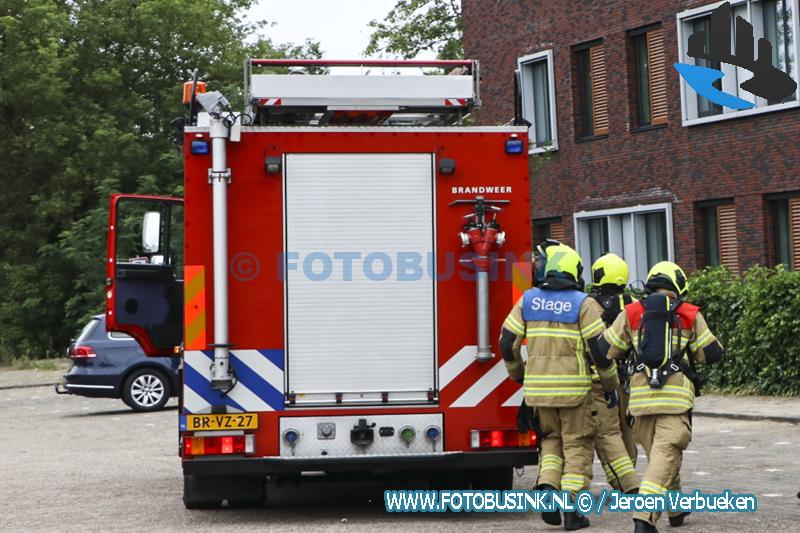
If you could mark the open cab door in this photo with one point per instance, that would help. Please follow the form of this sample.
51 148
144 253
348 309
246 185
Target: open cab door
144 271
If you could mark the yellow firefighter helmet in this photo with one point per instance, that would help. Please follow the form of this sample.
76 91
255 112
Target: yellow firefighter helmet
610 269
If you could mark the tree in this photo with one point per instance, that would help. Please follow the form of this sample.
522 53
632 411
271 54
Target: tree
414 26
88 89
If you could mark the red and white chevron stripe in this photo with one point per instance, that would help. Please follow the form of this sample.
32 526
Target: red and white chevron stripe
484 386
269 101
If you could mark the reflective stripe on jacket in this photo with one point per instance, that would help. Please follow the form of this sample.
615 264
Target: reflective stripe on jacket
674 398
557 373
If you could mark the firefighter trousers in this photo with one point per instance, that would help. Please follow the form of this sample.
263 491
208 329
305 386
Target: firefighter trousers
567 445
663 437
625 426
620 471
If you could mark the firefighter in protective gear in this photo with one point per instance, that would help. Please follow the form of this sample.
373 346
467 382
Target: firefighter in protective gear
614 442
561 325
667 337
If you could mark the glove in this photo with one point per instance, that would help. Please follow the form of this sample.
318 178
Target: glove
525 418
629 420
528 420
612 400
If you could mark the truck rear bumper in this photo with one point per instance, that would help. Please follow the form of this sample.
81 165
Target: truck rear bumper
210 466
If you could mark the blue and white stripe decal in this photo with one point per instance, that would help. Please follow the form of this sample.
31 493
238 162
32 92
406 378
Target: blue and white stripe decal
259 381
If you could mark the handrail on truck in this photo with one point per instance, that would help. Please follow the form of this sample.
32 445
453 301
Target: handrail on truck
410 63
432 99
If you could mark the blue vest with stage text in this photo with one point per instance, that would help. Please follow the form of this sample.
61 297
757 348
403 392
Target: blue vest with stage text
552 306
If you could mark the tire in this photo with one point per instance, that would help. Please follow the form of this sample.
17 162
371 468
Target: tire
200 505
193 497
247 503
208 492
146 389
500 478
450 480
256 493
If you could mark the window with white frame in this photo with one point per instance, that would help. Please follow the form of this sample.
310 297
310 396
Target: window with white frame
538 99
774 20
641 235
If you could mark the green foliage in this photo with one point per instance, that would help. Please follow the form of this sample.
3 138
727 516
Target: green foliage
88 89
414 26
757 319
25 362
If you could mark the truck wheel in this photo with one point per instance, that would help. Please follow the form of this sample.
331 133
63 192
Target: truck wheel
256 490
501 478
450 480
193 497
146 389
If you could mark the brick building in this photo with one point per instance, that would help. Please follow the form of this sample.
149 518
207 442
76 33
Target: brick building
624 156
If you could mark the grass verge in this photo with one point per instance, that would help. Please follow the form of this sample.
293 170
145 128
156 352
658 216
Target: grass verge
29 363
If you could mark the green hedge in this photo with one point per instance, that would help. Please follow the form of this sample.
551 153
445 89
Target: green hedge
756 317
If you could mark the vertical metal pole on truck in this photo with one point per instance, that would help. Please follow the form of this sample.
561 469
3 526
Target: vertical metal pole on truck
219 175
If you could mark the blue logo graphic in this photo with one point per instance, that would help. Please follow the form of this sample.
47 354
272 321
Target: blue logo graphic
767 82
702 79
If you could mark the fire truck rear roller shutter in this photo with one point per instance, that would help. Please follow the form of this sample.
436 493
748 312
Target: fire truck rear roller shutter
363 336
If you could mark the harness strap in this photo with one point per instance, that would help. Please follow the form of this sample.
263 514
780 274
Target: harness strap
679 315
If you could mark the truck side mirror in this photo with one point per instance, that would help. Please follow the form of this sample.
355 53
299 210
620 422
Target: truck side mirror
151 232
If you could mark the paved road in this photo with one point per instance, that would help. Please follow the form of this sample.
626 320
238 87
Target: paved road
75 464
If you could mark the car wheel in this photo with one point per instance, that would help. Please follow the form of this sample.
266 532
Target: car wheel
146 389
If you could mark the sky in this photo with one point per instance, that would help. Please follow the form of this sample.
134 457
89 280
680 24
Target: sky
339 25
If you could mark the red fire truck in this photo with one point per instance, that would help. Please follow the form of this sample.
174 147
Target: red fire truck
335 279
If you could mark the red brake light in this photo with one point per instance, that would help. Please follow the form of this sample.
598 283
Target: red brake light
82 352
502 438
225 445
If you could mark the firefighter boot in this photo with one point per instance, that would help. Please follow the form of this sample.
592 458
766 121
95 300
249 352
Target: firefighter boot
552 518
677 520
574 521
640 526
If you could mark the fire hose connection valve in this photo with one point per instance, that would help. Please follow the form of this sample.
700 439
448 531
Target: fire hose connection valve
482 232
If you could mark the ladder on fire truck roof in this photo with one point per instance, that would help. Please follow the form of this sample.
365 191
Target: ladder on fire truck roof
294 93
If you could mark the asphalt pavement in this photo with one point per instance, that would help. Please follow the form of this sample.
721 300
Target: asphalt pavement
14 379
77 464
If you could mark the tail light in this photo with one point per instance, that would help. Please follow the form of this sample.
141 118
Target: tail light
82 352
502 438
222 445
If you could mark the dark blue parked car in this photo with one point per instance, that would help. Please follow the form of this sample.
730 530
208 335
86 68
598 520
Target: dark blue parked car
113 365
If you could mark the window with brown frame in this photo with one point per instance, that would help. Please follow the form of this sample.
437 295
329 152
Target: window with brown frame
772 20
591 91
719 235
649 81
548 228
786 227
